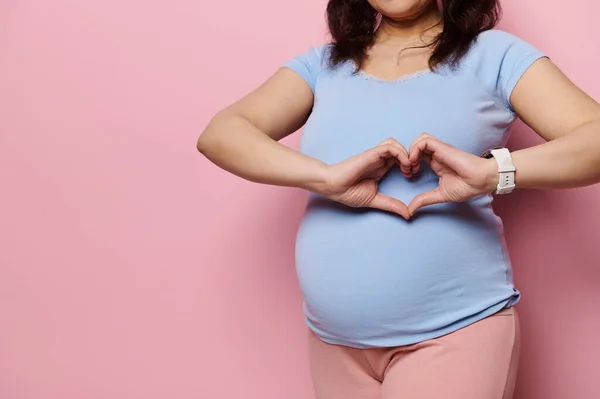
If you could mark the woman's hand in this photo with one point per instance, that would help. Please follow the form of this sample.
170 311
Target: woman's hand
354 181
462 175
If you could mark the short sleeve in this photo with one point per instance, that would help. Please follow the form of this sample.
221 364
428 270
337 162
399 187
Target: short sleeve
308 65
501 59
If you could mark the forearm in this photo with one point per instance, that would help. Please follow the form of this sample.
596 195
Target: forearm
236 145
572 160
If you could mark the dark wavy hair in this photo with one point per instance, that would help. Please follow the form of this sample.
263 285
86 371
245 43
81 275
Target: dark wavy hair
352 24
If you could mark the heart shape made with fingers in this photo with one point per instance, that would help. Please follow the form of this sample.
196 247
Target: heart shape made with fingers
462 175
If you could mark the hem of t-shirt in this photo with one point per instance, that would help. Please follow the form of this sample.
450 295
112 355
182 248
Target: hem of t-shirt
416 338
518 73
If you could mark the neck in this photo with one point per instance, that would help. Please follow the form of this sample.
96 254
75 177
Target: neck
424 25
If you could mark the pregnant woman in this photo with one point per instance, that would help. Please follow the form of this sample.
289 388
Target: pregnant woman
407 285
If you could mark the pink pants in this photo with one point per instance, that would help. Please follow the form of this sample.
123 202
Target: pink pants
476 362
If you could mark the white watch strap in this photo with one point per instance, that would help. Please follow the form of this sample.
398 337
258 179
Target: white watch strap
506 170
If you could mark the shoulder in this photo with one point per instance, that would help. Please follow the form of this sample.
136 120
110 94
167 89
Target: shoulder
498 59
310 63
496 48
314 57
496 45
495 37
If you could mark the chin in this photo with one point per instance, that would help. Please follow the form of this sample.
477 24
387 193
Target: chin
400 9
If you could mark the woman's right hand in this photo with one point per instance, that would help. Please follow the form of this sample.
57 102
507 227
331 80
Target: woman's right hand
355 181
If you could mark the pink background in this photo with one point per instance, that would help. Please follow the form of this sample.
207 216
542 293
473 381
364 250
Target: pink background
130 267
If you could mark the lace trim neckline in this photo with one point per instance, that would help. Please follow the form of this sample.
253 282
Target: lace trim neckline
400 79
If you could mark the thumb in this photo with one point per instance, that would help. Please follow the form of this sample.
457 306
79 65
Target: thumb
427 198
390 204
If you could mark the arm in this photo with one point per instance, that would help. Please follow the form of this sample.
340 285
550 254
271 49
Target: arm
243 138
561 113
557 110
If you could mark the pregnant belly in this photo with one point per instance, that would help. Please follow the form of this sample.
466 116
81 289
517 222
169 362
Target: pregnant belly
364 272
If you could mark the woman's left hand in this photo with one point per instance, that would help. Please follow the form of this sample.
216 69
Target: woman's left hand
462 175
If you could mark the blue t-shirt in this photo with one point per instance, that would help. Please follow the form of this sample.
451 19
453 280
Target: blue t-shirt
370 278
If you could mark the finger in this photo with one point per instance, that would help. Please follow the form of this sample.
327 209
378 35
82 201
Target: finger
385 151
427 198
389 140
416 162
370 162
405 166
392 161
425 146
416 159
446 154
402 160
401 155
389 204
416 166
376 157
414 153
422 136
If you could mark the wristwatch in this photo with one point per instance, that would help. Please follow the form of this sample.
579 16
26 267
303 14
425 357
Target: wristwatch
506 169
